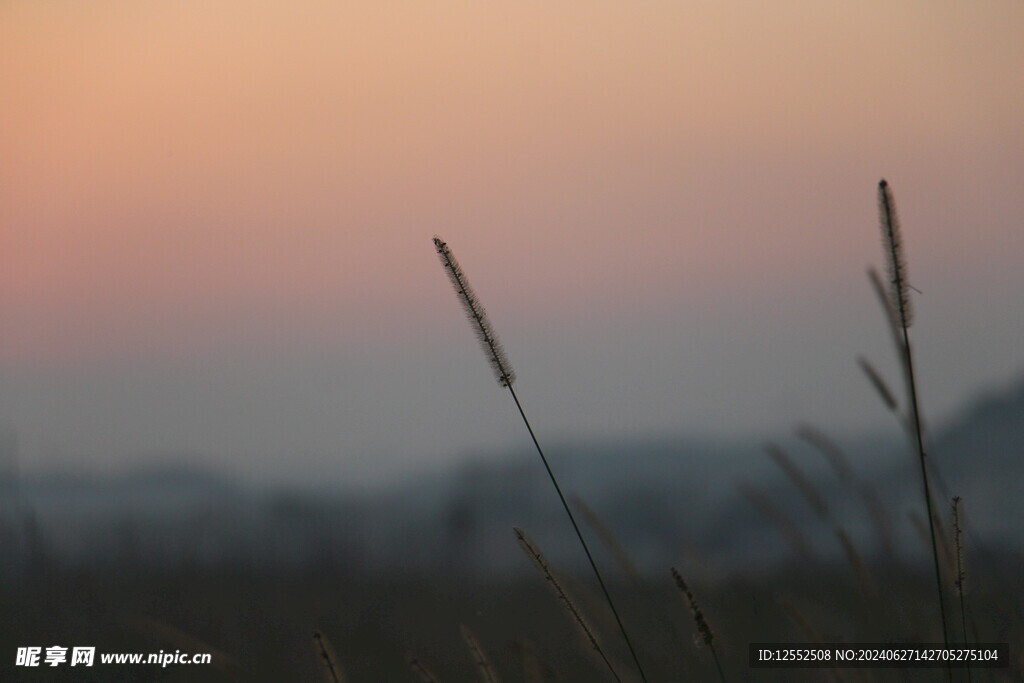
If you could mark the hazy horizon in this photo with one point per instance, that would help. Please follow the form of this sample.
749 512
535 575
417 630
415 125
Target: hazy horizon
216 222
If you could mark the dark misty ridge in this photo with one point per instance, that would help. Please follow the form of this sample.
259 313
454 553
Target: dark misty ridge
666 500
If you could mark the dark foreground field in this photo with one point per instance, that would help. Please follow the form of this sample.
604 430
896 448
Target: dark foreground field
259 625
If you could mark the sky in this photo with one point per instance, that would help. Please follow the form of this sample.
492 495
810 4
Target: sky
215 222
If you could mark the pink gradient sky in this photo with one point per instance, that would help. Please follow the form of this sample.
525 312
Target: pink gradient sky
254 185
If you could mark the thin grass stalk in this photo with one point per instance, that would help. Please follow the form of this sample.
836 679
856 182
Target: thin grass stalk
802 483
796 538
479 656
856 562
605 535
831 451
567 602
817 502
332 672
960 574
420 669
881 522
706 634
901 304
828 449
534 670
506 377
802 623
579 535
666 630
879 384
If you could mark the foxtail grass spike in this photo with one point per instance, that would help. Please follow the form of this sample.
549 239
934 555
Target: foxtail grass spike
796 538
706 634
496 355
856 562
324 651
477 315
607 537
802 483
878 383
901 303
567 603
831 451
897 263
958 539
809 632
534 669
420 669
480 658
886 302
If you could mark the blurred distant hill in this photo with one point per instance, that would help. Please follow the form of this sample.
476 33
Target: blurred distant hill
704 504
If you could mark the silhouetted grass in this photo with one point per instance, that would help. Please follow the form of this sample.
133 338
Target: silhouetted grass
506 377
900 304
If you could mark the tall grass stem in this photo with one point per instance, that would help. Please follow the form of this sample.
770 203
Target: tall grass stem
506 378
960 574
901 305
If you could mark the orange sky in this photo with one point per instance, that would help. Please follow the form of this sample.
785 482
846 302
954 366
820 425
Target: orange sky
218 160
181 177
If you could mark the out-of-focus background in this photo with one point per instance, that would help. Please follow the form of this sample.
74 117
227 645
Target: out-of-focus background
227 348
